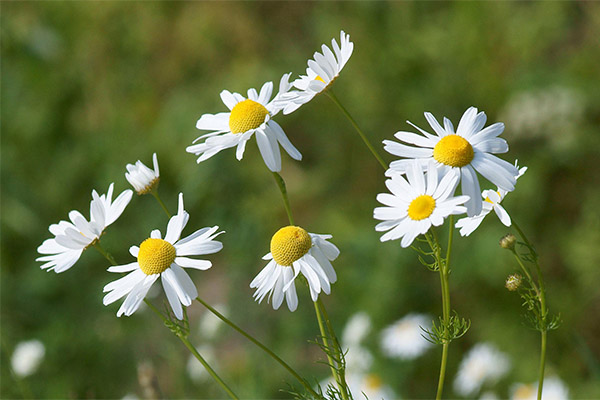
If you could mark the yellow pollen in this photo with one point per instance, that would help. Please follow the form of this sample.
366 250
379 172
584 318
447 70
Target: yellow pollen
453 150
318 78
421 207
155 256
289 244
246 115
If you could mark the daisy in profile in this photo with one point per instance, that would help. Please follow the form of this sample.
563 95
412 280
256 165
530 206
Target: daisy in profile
404 338
164 258
322 70
295 251
483 363
491 201
247 117
72 238
142 178
416 205
461 153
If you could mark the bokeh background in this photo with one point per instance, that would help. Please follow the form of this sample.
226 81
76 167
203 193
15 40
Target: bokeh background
88 87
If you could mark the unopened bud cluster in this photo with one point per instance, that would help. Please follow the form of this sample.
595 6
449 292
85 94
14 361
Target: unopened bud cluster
508 241
513 282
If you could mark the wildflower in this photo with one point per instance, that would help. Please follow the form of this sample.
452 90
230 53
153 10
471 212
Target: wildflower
247 117
142 178
508 241
72 238
27 357
492 200
554 389
320 74
164 258
513 282
415 205
484 363
404 338
356 329
461 153
294 250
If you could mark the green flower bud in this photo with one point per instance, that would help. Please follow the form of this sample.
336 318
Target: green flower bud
508 241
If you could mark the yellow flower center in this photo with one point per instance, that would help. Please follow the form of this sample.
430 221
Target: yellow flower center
246 115
289 244
318 78
453 150
421 207
155 256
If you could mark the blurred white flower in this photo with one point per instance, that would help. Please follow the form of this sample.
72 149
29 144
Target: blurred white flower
364 386
358 358
130 396
195 369
356 329
404 338
209 323
142 178
489 396
483 363
27 357
554 389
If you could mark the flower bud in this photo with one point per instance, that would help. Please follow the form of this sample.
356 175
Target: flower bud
513 282
508 241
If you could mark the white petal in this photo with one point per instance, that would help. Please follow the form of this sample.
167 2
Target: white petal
186 262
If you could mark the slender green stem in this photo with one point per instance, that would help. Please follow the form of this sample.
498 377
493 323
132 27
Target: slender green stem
526 272
106 254
157 197
281 185
333 97
259 344
330 360
440 388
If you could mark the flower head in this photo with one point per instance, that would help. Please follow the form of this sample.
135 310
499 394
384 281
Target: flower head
483 363
461 153
404 338
142 178
164 258
417 204
247 117
72 238
513 282
295 251
322 70
554 389
27 357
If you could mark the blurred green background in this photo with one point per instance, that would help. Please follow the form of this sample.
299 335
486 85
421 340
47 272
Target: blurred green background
88 87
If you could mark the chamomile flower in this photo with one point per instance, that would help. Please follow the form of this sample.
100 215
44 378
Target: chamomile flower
164 258
417 204
483 363
27 357
142 178
247 117
322 70
492 200
463 152
404 338
295 251
72 238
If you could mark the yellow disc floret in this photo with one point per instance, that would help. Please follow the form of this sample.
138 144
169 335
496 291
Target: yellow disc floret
453 150
246 115
421 207
155 256
289 244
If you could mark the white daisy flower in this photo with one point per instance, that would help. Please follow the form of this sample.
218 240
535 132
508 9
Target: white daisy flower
293 250
72 238
357 328
164 258
320 74
492 200
247 117
415 205
463 152
483 363
554 389
142 178
27 357
404 338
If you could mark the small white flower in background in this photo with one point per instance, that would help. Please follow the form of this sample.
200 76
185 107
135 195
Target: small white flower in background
247 117
72 238
554 389
461 153
320 74
142 178
294 250
492 200
364 384
417 204
356 329
27 357
482 364
130 396
165 259
195 369
209 323
489 396
404 338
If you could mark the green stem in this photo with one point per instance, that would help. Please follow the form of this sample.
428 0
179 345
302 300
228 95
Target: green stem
281 185
542 364
333 97
106 254
157 197
526 272
440 388
259 344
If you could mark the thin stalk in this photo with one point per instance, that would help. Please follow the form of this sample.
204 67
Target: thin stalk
333 97
157 197
106 254
526 272
259 344
281 185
